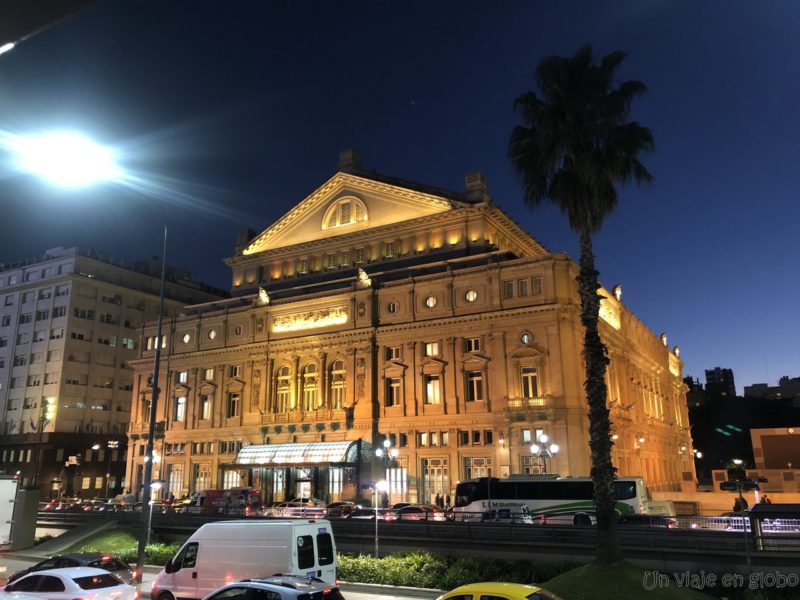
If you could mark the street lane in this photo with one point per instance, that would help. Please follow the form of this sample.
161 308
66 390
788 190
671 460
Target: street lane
10 564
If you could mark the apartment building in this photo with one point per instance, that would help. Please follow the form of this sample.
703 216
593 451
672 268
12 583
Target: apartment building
69 323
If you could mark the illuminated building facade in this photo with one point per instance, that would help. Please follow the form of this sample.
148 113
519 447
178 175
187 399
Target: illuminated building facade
380 310
69 322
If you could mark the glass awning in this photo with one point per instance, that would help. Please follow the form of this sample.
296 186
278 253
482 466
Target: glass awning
309 453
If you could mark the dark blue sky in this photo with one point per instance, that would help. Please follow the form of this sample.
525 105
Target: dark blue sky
237 110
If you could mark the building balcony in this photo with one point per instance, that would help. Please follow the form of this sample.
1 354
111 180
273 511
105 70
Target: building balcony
537 402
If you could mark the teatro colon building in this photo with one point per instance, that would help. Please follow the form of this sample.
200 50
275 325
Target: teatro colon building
383 314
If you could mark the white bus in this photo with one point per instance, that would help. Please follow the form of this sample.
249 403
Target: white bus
548 496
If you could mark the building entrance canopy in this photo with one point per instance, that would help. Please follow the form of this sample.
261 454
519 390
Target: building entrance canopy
300 454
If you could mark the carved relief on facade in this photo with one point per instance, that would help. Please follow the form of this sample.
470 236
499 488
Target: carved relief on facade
313 319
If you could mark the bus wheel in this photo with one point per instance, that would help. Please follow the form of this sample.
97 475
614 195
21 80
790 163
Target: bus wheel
582 520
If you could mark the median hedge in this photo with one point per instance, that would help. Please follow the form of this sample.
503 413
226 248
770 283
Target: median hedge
154 554
424 569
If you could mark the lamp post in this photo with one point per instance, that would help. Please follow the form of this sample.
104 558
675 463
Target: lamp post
112 446
380 487
542 451
71 160
147 516
387 454
46 414
154 485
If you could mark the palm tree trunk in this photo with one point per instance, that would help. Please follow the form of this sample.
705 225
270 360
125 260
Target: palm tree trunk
609 551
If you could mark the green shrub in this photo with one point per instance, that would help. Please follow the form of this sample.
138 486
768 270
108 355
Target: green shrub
424 569
42 539
154 554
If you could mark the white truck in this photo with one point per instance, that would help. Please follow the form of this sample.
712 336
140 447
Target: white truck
8 499
227 551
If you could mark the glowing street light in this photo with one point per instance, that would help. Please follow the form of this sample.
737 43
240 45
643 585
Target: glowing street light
387 454
7 47
542 451
65 159
380 487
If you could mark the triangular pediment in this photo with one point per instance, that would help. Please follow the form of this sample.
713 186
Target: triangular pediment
234 384
394 368
207 387
529 352
476 360
347 203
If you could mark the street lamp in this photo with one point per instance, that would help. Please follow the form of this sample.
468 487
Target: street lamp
65 159
387 454
112 446
70 159
380 487
155 485
542 451
46 414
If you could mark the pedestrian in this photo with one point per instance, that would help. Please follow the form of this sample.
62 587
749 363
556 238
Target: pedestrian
447 501
438 499
767 499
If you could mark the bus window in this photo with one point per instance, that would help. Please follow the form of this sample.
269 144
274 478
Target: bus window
624 490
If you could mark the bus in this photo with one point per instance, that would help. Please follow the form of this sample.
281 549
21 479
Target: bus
549 496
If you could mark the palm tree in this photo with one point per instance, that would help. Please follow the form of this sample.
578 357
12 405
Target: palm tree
576 143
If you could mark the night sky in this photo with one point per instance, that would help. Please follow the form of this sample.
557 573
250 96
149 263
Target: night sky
232 112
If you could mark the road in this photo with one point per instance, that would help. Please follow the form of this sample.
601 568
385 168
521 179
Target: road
10 564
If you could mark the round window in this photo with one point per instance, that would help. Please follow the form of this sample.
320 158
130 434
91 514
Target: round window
212 334
471 296
526 338
186 338
393 307
430 301
237 330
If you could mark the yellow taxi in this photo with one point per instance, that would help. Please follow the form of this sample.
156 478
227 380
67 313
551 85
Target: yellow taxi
493 590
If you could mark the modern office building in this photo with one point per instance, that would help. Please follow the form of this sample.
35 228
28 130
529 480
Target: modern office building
384 315
69 324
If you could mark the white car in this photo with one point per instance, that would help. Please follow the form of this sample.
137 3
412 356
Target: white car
86 583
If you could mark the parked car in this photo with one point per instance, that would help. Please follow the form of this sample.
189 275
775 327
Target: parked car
420 512
368 514
96 560
303 508
508 591
340 510
648 521
86 583
285 587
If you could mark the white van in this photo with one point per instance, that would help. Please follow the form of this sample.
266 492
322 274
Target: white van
227 551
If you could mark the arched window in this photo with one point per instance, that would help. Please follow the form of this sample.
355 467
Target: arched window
310 387
283 390
345 212
338 378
